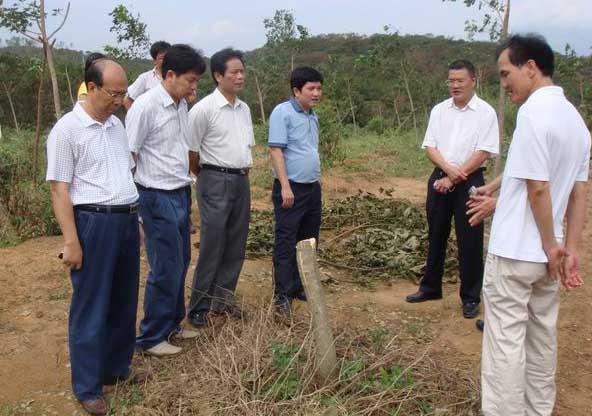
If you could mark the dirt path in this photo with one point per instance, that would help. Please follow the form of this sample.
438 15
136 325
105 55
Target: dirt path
34 296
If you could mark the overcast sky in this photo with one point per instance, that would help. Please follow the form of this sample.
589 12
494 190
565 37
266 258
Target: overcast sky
211 25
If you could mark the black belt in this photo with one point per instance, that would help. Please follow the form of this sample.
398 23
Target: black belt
143 188
234 171
109 209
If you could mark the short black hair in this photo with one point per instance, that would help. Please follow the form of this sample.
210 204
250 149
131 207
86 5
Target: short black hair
219 59
301 75
463 64
94 73
522 48
159 47
181 59
95 56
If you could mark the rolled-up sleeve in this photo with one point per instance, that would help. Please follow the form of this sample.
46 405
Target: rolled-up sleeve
137 126
430 138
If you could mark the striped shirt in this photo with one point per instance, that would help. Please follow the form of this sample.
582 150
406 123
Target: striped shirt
93 158
145 81
222 133
157 130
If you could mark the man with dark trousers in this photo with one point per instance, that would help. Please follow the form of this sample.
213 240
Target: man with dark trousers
95 202
294 149
221 141
158 133
462 134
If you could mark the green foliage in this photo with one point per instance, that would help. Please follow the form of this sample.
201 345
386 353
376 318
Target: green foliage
128 29
331 135
25 210
284 385
374 237
282 30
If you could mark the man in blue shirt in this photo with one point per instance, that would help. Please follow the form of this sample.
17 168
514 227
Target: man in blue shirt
294 149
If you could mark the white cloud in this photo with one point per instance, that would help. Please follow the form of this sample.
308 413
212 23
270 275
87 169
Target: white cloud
575 14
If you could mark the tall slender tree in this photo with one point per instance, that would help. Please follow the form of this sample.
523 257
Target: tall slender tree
21 17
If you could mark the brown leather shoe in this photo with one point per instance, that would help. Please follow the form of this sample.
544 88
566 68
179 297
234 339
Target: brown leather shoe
96 406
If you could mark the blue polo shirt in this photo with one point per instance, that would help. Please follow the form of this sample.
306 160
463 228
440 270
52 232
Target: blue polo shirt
297 133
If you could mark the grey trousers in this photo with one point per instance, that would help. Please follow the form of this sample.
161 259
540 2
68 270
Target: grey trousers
224 201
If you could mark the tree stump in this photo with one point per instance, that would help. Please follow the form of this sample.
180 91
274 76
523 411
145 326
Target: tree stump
306 254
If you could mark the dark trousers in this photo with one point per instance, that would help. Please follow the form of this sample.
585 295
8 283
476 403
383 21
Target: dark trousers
440 210
300 222
224 201
166 229
102 321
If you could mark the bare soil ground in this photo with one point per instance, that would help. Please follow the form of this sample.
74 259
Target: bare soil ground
35 290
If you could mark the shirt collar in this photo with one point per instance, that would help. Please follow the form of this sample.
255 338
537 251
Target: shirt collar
471 105
549 90
87 120
165 97
221 100
156 74
297 107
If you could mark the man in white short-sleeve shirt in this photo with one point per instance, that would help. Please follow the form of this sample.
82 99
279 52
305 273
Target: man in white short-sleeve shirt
221 141
462 134
544 181
149 79
95 202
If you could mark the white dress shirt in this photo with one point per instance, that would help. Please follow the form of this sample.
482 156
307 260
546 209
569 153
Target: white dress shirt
551 143
145 81
459 132
93 158
221 133
157 130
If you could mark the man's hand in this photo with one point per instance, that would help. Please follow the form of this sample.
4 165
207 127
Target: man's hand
484 190
443 185
455 174
555 256
480 207
572 278
287 197
72 255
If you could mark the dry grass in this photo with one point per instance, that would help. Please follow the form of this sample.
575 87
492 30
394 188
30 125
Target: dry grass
263 367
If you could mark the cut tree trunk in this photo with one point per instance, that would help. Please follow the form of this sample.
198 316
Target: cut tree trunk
306 253
260 98
48 51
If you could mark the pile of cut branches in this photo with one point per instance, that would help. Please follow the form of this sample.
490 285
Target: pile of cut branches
374 236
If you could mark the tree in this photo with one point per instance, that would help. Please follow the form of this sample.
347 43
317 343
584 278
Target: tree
20 17
495 22
130 30
283 32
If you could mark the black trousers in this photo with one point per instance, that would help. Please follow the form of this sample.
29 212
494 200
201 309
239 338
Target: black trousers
300 222
440 210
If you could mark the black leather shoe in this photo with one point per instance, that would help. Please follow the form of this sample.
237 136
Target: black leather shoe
96 406
470 310
301 296
199 319
420 296
480 324
283 308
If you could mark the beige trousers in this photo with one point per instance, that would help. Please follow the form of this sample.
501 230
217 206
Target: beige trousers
520 338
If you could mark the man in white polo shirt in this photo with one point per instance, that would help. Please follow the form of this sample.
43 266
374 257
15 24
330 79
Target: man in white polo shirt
462 134
221 141
544 181
158 134
95 202
149 79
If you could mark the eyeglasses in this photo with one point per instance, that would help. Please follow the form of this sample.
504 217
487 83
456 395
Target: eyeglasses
457 81
114 95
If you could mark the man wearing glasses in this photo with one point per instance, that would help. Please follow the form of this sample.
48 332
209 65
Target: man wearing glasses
462 133
95 202
158 134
